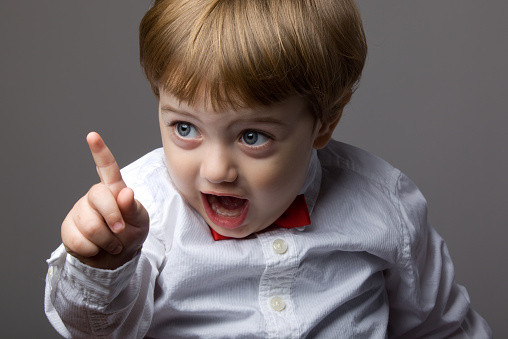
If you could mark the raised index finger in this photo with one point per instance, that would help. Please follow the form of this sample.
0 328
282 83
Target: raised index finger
107 167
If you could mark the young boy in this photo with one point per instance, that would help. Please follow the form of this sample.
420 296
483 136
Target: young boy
250 221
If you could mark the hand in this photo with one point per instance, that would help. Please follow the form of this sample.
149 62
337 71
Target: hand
107 227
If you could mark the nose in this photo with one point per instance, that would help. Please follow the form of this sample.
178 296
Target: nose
218 165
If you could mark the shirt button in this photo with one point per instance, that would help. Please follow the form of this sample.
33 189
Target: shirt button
280 246
50 272
277 304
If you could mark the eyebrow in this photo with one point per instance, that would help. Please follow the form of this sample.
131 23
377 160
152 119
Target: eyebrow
167 109
265 119
171 109
253 118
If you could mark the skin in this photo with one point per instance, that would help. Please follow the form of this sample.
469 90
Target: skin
107 226
216 157
258 154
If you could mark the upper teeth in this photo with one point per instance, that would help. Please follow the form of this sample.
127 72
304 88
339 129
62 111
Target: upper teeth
225 212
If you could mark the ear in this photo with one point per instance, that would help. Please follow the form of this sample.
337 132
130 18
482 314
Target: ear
325 131
327 127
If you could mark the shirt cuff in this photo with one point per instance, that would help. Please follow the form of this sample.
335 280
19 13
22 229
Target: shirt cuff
100 285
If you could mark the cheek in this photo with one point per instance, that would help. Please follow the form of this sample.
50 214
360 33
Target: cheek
281 176
181 169
292 168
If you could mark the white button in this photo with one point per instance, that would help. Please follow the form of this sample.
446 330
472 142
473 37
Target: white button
280 246
277 304
50 272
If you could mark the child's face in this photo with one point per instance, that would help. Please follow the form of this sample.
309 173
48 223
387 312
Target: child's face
239 169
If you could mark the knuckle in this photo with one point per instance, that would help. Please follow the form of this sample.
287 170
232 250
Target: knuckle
81 247
112 216
75 244
97 191
94 229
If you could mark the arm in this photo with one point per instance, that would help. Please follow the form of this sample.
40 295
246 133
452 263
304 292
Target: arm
424 299
99 285
84 302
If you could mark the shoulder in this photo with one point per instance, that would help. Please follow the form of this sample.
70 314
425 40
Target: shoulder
351 166
341 160
376 205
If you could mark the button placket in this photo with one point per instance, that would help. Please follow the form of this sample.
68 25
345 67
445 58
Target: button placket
275 285
50 272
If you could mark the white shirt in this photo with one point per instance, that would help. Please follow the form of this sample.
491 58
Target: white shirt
368 266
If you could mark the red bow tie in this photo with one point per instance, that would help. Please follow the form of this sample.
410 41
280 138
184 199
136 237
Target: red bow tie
296 215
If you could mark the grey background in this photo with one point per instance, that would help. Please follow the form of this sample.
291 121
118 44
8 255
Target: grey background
432 102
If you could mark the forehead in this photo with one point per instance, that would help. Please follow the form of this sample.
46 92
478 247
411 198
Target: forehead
202 106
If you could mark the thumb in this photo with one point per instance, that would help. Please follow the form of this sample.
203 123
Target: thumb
133 212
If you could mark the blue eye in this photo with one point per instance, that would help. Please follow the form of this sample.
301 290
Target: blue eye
253 138
186 130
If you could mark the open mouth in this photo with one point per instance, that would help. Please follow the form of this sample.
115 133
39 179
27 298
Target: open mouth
225 211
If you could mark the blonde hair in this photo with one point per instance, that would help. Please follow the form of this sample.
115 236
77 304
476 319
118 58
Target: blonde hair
255 52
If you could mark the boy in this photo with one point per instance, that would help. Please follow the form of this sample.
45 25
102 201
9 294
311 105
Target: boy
315 238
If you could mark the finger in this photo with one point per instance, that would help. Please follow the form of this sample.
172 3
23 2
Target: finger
93 228
75 242
107 167
88 240
102 201
133 212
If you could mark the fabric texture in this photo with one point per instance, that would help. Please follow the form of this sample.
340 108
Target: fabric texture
368 266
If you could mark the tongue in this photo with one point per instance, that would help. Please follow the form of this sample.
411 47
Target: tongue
230 203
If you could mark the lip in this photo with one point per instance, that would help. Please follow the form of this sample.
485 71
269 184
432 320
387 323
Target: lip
224 221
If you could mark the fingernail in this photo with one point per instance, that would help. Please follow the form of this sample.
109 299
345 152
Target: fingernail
117 226
117 249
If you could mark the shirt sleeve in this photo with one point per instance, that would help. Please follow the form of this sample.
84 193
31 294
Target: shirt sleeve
425 301
85 302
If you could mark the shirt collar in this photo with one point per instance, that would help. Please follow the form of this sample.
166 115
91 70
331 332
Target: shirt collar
312 182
